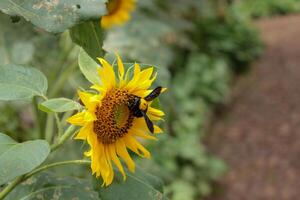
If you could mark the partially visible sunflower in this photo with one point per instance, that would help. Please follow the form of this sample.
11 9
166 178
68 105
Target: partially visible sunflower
118 12
107 123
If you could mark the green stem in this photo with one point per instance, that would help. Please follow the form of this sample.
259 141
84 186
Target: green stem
10 187
19 179
49 128
59 125
68 133
62 60
62 79
45 167
38 117
65 116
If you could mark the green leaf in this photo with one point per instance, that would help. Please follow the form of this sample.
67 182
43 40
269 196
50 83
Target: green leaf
59 105
88 67
56 15
48 186
89 36
18 82
137 186
20 158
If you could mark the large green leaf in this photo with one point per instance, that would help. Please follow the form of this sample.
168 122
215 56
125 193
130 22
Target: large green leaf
47 186
19 82
137 186
20 158
55 15
89 36
88 67
59 105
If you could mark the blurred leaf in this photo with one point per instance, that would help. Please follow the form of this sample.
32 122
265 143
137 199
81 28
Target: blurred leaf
57 15
59 105
22 52
89 36
182 190
18 82
138 39
20 158
88 67
137 186
47 186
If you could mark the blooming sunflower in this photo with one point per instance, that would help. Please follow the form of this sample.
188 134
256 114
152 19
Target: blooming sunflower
109 125
118 12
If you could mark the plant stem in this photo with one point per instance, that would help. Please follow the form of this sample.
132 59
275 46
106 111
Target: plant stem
45 167
62 79
49 128
59 125
68 133
10 187
19 179
38 117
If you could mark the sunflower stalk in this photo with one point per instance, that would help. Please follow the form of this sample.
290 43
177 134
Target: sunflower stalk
58 85
49 128
61 140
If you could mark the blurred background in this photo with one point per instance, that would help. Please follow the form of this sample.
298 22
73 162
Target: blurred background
231 66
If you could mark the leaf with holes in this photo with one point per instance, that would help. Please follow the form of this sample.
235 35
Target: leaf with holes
55 15
20 158
48 186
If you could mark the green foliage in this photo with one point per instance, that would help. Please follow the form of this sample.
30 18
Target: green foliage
135 42
236 40
49 186
59 105
265 8
195 48
55 16
89 36
20 158
140 185
210 75
18 82
88 67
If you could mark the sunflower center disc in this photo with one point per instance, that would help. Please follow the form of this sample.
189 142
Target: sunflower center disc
114 119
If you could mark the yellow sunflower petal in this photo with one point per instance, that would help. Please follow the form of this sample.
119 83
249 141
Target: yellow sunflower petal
110 176
142 134
98 88
136 147
137 69
123 153
89 100
107 74
84 132
157 129
146 74
77 119
120 67
112 153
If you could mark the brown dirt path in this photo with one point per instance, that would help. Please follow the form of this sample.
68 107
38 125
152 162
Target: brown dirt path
259 135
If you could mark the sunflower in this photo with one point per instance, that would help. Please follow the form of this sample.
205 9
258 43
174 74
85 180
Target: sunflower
118 12
109 125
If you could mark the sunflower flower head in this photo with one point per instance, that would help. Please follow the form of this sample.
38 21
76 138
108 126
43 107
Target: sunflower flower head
116 116
118 12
